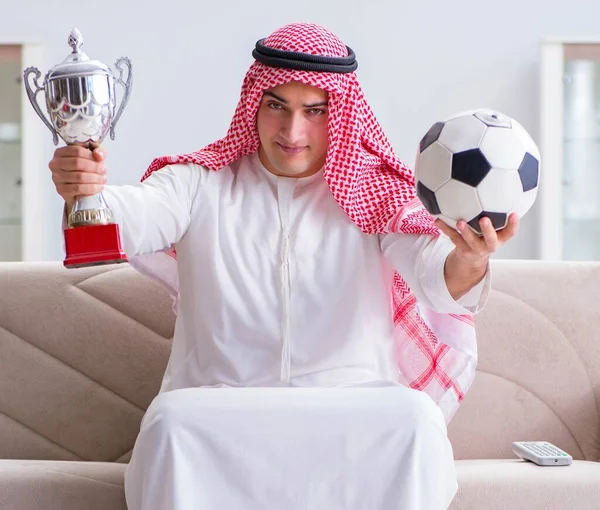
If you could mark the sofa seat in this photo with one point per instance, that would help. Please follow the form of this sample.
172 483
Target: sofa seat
490 484
61 485
506 484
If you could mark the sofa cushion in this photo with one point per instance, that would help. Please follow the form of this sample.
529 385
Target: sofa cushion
502 484
61 485
483 485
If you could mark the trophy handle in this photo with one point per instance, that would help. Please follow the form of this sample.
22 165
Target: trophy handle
32 98
127 86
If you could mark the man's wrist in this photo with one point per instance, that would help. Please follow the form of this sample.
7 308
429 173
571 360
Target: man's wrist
461 276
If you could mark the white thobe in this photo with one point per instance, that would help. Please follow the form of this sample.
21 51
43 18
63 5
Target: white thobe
279 288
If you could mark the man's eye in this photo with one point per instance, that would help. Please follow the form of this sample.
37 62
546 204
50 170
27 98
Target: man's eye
316 111
275 106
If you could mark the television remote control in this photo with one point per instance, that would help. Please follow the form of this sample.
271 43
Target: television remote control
541 453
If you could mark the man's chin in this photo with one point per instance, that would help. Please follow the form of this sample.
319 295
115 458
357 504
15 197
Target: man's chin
288 170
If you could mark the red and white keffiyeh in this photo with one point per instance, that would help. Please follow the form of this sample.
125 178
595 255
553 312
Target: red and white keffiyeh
437 353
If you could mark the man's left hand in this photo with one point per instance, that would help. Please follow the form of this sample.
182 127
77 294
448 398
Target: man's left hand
467 264
473 250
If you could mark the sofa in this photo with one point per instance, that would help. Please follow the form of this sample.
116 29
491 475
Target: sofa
83 351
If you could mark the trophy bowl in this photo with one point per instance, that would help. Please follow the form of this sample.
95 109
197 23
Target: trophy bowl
81 105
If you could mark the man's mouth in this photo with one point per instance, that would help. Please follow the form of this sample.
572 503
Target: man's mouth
291 149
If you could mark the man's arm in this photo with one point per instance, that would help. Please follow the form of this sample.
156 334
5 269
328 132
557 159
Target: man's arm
464 268
421 261
154 214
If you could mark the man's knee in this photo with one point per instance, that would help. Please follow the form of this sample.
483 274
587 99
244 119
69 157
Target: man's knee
168 410
422 412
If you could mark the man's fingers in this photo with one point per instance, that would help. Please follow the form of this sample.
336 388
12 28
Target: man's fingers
76 165
490 236
76 177
473 241
510 230
74 190
454 236
74 151
99 154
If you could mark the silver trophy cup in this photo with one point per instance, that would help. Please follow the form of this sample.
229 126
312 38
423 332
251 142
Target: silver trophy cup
81 105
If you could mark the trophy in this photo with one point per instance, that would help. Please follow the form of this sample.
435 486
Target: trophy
81 104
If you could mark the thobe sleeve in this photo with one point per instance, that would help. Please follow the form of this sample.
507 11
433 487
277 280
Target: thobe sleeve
420 260
154 214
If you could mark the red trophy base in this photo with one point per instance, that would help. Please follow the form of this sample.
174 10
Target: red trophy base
93 245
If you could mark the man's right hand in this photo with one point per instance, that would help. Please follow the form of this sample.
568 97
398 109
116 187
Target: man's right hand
78 172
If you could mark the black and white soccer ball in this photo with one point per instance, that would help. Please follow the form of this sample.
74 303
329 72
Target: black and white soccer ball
475 164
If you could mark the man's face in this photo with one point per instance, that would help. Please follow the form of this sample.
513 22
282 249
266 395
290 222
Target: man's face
292 126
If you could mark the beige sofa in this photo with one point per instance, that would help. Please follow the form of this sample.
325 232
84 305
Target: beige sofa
82 354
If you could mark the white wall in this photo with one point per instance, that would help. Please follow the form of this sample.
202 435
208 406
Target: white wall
419 61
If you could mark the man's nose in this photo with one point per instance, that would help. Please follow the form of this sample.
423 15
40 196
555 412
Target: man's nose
293 130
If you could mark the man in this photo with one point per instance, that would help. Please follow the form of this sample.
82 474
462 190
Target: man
324 333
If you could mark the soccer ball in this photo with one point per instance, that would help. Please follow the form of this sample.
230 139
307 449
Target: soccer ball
475 164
